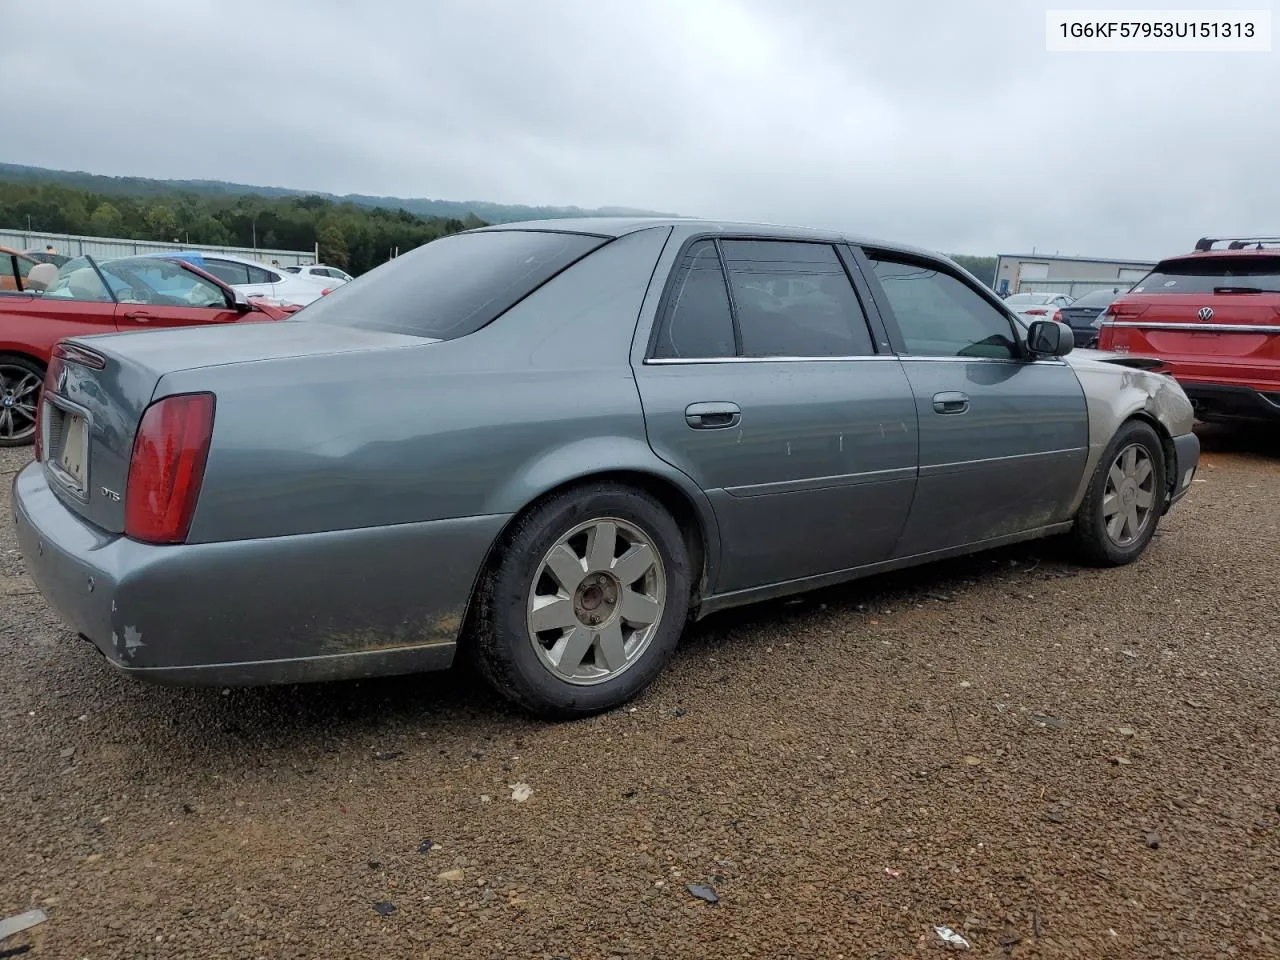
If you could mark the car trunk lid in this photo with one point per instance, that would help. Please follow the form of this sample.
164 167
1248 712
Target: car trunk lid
99 387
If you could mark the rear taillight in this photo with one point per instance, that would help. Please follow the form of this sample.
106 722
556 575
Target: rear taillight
1057 316
167 467
1037 312
1119 311
326 291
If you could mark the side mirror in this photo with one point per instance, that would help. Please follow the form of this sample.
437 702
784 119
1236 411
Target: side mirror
1049 338
241 302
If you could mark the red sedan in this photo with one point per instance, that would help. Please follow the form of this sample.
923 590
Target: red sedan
85 297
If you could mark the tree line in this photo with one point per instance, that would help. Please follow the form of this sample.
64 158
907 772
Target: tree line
353 237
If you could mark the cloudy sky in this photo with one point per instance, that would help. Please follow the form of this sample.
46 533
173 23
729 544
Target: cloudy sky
933 122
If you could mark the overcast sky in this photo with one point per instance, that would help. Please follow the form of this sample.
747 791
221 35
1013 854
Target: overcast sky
943 124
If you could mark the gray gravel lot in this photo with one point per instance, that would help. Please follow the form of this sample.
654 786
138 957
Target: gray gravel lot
1052 761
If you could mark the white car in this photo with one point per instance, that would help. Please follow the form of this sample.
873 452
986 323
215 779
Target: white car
1037 306
258 280
320 271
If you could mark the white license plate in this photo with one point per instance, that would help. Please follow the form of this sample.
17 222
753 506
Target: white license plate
75 449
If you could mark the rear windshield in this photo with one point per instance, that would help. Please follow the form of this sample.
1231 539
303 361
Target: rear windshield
1018 298
1213 275
1098 298
452 286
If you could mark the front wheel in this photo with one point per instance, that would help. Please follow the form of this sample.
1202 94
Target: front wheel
587 601
1122 506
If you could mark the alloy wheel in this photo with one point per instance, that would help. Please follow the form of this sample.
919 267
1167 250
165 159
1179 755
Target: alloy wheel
597 600
1129 498
19 395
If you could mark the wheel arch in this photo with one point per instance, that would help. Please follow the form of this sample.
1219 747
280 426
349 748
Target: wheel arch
597 461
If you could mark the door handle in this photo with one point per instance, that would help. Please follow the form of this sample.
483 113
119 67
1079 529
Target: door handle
142 316
712 416
951 401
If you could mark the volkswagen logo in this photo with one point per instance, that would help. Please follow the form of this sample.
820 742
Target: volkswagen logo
1205 313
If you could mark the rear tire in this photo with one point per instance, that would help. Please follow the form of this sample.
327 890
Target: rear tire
586 602
1126 496
21 379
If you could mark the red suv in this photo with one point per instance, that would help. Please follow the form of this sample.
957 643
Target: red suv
1213 316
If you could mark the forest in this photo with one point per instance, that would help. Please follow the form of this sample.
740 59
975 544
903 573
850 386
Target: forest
350 236
354 232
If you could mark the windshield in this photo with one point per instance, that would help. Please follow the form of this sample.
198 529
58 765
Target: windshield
452 286
1213 275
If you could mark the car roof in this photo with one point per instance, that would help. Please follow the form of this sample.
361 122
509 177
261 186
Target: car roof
619 226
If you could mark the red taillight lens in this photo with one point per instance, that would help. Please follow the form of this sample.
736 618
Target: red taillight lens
1118 310
1037 312
326 291
167 467
1057 316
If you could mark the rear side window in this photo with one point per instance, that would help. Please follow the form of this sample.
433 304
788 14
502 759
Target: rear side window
227 271
259 275
699 322
453 286
1209 275
789 299
794 300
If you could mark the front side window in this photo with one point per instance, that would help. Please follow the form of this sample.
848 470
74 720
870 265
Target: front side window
452 286
794 299
940 315
78 280
161 283
293 269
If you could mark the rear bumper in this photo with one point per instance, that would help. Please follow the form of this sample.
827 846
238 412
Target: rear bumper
1231 402
323 606
1186 455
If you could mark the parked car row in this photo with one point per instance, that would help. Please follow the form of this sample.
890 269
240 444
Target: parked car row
85 297
599 430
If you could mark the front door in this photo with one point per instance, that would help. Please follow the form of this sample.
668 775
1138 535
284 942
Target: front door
768 392
1003 437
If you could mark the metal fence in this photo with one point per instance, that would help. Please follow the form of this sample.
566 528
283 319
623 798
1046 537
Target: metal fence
108 247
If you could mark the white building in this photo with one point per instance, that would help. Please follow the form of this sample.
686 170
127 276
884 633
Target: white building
1074 276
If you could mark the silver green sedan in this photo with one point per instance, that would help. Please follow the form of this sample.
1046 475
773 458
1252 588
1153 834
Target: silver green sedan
548 446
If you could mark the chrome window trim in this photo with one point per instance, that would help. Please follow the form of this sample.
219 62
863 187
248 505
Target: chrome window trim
686 361
1213 327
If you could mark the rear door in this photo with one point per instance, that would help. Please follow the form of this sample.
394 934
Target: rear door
1003 439
761 382
1213 318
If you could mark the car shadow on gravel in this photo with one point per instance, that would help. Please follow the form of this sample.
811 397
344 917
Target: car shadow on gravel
455 704
458 699
1262 440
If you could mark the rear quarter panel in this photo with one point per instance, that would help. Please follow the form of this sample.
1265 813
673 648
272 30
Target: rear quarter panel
477 426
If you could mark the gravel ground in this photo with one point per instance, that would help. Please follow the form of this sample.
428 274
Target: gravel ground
1052 761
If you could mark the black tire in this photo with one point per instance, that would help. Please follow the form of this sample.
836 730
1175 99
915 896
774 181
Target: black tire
10 365
1093 544
501 646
